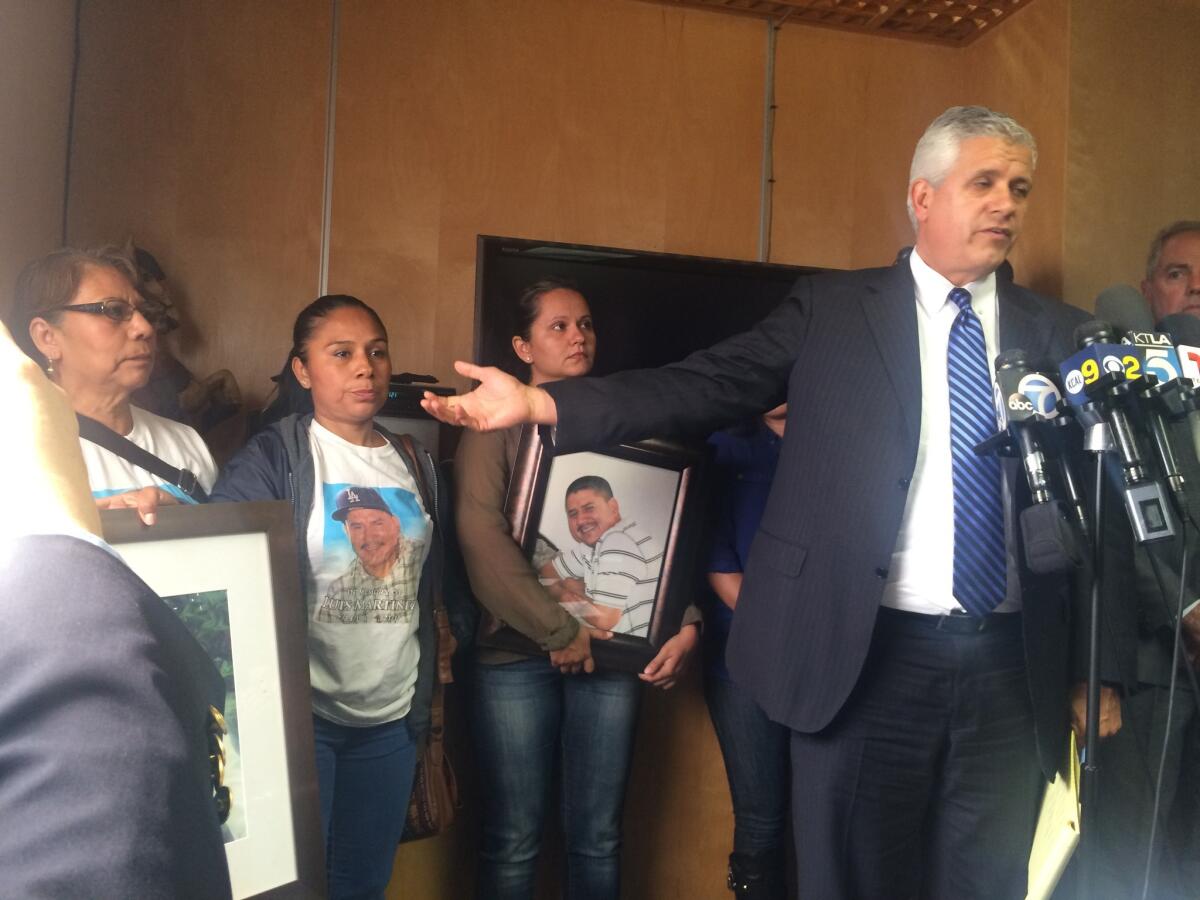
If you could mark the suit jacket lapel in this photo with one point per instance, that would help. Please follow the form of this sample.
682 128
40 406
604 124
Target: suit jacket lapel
889 304
1021 323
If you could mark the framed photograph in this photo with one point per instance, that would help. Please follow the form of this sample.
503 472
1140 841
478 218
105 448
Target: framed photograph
613 536
229 571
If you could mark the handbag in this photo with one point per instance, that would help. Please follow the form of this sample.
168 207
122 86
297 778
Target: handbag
99 433
434 798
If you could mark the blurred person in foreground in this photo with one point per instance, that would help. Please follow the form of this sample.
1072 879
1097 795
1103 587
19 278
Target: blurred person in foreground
105 774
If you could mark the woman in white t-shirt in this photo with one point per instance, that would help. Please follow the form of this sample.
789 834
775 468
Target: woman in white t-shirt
79 314
370 558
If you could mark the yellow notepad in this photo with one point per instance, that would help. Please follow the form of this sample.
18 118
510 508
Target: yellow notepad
1057 833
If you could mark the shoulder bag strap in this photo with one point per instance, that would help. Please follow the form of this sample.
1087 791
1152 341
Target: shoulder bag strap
101 434
445 637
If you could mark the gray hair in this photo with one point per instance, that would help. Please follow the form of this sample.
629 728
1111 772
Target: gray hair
51 281
937 150
1183 226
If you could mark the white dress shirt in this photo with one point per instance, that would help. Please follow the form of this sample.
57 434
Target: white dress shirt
921 574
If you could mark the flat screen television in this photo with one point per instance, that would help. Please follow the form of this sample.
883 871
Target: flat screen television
649 308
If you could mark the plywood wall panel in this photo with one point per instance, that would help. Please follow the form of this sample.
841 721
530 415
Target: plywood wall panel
1133 141
850 111
36 47
1023 70
610 122
200 131
851 108
614 123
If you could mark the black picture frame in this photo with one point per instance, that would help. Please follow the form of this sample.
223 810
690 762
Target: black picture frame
656 466
246 552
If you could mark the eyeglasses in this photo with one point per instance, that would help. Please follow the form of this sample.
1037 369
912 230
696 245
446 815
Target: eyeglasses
153 311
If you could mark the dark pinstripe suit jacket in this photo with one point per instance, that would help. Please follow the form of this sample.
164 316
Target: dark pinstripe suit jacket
844 348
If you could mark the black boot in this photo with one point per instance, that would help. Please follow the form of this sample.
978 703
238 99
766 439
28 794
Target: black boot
757 876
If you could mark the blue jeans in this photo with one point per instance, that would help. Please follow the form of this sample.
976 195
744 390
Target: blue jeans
529 719
755 750
365 776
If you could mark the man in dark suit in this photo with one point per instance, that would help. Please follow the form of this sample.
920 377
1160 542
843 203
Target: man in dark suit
887 615
1161 726
105 778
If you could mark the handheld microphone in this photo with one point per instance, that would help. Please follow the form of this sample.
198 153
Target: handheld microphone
1184 330
1066 474
1024 399
1159 357
1098 357
1125 308
1161 389
1016 414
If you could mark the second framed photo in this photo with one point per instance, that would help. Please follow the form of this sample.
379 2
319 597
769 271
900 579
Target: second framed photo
229 572
613 536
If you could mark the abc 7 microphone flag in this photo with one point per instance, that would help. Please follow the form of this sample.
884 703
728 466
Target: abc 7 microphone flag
1036 396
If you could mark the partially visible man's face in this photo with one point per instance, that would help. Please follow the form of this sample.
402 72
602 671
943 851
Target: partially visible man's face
968 223
1175 285
590 514
375 536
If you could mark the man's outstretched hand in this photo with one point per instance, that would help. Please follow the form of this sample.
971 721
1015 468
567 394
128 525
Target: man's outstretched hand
499 402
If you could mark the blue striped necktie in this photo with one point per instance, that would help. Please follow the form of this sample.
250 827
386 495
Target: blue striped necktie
980 570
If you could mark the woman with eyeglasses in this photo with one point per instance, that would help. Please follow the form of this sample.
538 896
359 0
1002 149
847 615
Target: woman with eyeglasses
79 314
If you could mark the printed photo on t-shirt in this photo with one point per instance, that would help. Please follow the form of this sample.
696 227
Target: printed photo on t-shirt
375 537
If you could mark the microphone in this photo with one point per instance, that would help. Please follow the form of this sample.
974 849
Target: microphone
1015 413
1066 474
1098 372
1184 330
1024 399
1098 355
1125 307
1164 397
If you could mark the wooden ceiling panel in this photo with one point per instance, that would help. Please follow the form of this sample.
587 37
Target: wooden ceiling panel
953 23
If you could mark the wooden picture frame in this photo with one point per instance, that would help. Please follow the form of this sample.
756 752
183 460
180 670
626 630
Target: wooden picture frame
654 484
230 570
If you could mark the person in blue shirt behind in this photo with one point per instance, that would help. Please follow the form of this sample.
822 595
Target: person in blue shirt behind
755 749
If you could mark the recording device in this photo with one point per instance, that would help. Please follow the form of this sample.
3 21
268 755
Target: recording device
1025 400
1184 330
1125 308
1055 433
1164 397
1106 373
1018 413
